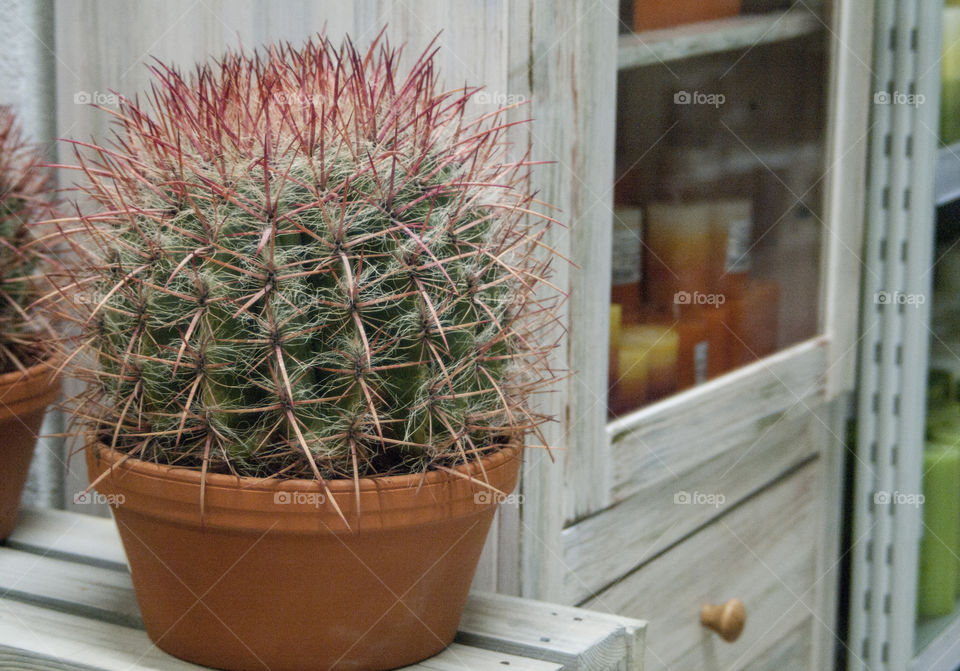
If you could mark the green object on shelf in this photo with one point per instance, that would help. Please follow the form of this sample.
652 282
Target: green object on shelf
939 568
943 422
939 387
950 73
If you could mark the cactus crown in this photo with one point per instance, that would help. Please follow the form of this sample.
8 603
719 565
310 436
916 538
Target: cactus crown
23 201
301 264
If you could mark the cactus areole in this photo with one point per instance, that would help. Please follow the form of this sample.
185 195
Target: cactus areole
304 264
313 307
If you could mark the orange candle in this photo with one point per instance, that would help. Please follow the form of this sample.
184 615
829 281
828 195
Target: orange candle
678 254
626 261
732 232
653 14
754 321
719 337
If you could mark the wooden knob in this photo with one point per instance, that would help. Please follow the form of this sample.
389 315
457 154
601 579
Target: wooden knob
726 619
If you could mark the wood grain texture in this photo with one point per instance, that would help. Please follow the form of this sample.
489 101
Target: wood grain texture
761 552
576 638
668 438
83 539
39 639
94 592
845 188
600 549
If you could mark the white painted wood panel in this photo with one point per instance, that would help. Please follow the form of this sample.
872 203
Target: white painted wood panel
762 552
671 437
600 549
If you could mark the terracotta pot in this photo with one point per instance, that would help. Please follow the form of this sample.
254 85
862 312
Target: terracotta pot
24 397
270 576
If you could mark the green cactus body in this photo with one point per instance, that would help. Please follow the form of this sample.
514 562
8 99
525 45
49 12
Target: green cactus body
306 264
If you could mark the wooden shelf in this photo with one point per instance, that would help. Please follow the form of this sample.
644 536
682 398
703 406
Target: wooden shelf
709 37
948 174
937 644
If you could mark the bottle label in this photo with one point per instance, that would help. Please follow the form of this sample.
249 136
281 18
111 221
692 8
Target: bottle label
738 246
700 358
627 247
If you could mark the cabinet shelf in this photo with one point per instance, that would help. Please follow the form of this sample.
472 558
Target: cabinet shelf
709 37
948 174
937 644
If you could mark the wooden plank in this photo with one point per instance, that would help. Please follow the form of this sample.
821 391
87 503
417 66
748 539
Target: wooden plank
38 639
90 591
458 657
679 433
789 653
573 637
845 189
600 549
655 47
79 538
762 552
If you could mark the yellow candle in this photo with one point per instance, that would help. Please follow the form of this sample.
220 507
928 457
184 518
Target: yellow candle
679 252
647 368
613 352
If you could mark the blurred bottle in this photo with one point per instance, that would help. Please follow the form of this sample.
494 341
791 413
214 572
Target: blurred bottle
753 318
654 14
627 257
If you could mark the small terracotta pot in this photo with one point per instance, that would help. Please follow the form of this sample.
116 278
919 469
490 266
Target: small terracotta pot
24 397
270 576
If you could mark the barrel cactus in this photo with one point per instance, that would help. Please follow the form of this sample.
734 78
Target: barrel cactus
24 200
301 263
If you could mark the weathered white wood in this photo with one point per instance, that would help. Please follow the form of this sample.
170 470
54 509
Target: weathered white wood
763 552
600 549
91 591
38 639
457 657
790 653
653 47
845 188
572 74
576 638
79 538
672 436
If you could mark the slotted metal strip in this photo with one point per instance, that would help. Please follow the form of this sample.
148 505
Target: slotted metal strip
893 361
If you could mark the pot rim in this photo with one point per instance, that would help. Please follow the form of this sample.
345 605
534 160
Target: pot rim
34 371
191 476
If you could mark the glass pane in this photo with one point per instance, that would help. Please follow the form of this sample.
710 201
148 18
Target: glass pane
718 207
